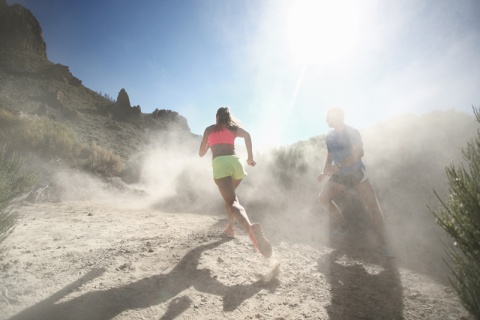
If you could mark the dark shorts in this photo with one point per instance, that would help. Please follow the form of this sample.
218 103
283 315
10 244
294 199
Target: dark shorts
350 180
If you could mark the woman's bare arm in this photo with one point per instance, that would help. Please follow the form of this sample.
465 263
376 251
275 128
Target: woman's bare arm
248 144
204 144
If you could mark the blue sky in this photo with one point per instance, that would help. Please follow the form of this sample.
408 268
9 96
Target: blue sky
279 64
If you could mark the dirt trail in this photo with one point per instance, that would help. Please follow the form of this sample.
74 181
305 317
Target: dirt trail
85 260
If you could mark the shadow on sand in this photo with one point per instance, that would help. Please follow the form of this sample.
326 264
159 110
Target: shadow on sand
364 283
360 292
150 291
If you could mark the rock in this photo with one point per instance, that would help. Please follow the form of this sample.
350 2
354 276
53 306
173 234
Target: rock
22 47
61 73
169 119
20 30
122 110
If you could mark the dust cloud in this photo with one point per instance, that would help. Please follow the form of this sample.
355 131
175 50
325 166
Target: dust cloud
405 159
175 178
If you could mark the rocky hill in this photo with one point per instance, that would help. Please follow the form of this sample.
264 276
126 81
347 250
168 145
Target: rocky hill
31 85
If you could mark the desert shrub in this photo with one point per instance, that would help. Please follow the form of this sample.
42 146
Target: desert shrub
103 160
52 140
289 174
297 165
15 178
106 96
7 118
38 134
288 165
459 216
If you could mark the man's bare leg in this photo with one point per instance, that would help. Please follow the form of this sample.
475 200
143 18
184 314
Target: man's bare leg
330 191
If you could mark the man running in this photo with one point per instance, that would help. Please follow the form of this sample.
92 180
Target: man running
345 170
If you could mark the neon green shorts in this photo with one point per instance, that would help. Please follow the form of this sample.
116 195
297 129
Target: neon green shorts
228 166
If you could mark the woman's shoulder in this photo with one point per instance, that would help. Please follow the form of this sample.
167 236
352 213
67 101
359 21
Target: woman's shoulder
233 128
209 128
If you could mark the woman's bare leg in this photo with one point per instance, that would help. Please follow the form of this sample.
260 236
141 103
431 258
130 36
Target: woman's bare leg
234 210
227 188
231 218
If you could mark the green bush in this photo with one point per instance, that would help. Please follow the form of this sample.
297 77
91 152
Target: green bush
15 179
460 218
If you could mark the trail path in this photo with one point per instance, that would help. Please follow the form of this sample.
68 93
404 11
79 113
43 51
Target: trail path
85 260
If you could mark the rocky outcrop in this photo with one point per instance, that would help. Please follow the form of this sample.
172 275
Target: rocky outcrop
32 84
169 118
22 47
122 109
19 29
123 101
61 73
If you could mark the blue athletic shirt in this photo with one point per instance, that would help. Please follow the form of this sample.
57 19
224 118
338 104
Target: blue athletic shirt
339 144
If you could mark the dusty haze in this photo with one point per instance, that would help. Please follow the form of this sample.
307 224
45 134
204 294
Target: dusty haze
405 158
154 247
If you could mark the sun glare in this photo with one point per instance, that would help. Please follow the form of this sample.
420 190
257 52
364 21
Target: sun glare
322 31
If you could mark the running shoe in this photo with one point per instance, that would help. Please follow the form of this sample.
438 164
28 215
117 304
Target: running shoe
263 245
229 232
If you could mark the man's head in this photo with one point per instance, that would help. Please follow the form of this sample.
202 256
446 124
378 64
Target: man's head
334 117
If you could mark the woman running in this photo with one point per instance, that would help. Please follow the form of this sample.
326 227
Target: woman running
228 172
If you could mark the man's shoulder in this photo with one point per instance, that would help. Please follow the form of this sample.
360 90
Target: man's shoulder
351 131
350 128
330 135
354 135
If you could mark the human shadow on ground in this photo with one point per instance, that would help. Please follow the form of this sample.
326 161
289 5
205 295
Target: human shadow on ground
364 283
150 291
413 241
176 307
360 291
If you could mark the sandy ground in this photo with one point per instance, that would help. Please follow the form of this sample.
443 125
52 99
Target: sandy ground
85 260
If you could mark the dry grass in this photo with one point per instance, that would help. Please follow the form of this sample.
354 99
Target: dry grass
53 140
15 178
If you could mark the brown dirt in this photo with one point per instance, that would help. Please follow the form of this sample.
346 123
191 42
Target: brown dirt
87 260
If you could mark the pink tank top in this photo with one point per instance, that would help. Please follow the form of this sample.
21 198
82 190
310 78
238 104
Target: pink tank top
223 136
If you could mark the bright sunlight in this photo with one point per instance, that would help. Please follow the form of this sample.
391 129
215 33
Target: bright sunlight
322 31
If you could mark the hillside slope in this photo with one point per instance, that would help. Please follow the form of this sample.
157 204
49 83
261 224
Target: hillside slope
32 85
